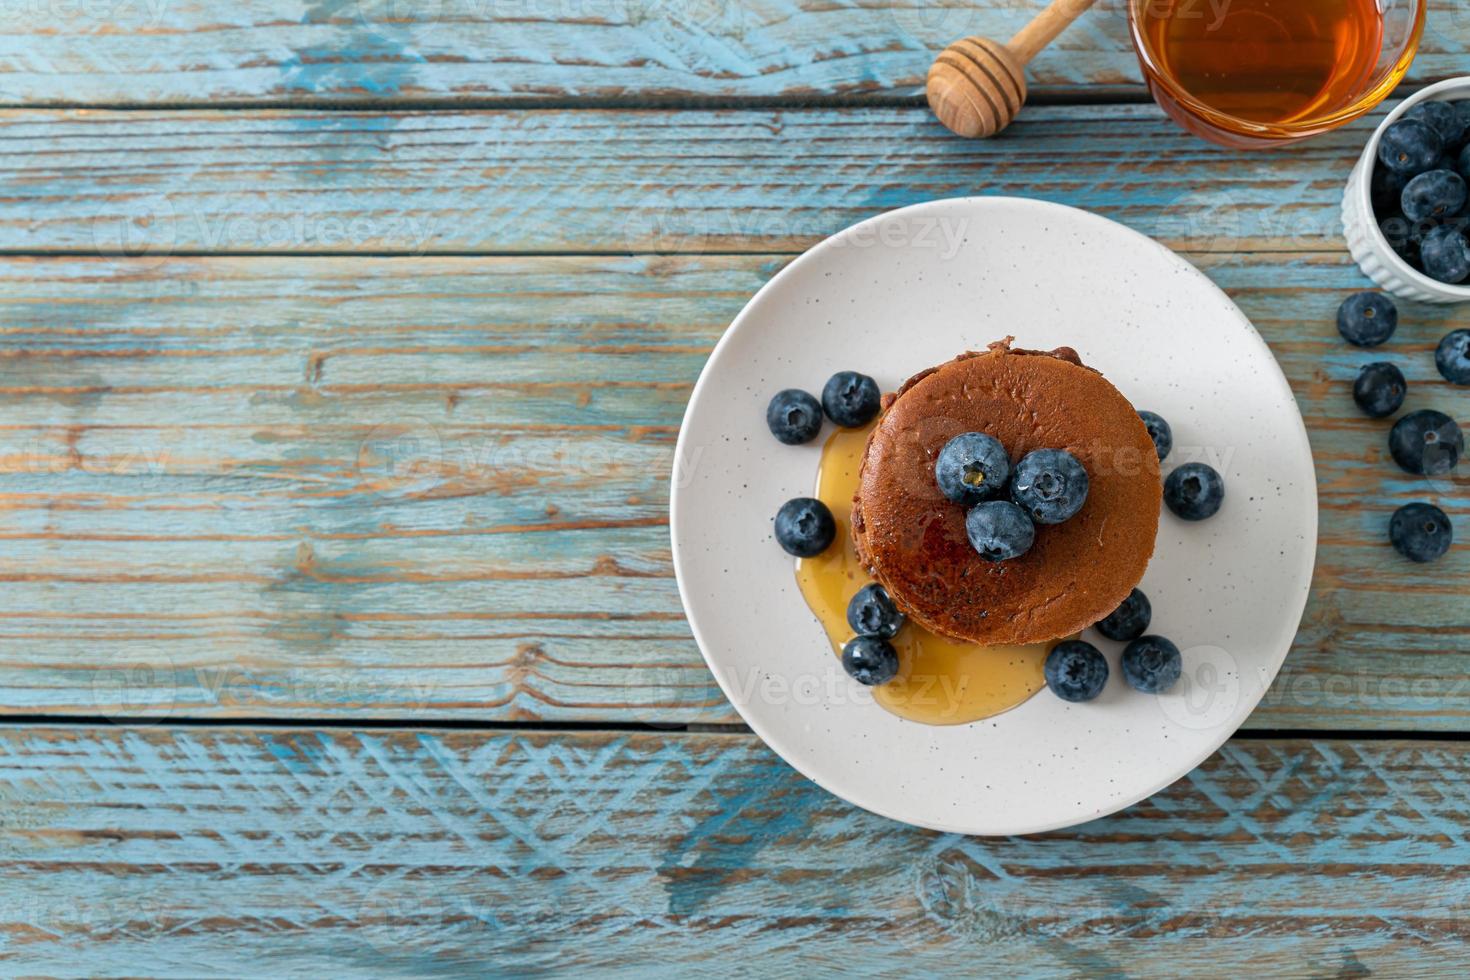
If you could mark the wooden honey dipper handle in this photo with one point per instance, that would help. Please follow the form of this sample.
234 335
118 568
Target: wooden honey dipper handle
977 86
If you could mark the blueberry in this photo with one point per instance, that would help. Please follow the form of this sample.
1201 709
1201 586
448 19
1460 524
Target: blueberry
1434 194
794 417
1442 118
1410 146
1075 671
972 467
872 613
1380 389
1159 432
1445 254
1367 319
999 530
851 399
1194 491
1462 163
1453 357
870 660
1151 664
804 527
1420 532
1050 485
1386 187
1130 620
1427 443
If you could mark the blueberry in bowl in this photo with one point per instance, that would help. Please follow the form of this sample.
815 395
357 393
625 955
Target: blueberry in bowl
1420 532
805 527
851 399
1367 319
1445 255
1151 664
1075 671
1426 443
1380 389
1050 485
794 417
1443 118
999 530
1452 357
1410 146
1194 492
871 612
1433 194
1130 620
972 467
870 660
1159 432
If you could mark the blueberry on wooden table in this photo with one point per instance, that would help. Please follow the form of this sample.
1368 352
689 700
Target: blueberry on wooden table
1367 319
1452 357
1426 443
972 467
1151 664
1075 671
870 660
1380 389
1420 532
1050 485
794 417
871 612
1159 432
1130 620
804 527
1445 255
1434 194
1410 146
1194 491
851 399
999 530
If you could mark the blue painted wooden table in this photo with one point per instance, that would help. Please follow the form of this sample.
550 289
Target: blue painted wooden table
343 347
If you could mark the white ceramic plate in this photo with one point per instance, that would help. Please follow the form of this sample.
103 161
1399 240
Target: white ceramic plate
910 289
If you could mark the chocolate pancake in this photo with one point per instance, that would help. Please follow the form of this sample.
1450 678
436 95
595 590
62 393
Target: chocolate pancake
912 538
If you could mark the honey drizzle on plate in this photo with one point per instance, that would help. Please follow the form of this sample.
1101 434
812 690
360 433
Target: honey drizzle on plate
940 681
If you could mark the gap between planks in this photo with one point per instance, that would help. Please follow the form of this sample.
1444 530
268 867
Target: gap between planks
270 723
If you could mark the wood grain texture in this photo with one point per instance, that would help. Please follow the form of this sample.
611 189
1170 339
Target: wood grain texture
219 852
150 183
354 51
437 488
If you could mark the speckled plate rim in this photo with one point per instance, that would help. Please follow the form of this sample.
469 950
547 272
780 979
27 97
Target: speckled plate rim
1305 556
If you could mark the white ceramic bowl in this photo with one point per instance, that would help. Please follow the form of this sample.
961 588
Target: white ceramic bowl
1365 240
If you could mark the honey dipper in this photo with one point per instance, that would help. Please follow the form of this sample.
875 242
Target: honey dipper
977 86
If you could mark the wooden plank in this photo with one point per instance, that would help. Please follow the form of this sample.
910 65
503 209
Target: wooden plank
154 183
419 853
437 488
452 51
